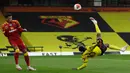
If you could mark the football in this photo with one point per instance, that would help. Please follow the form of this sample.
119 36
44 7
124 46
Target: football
77 7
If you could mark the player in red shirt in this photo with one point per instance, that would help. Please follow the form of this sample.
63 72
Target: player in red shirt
12 30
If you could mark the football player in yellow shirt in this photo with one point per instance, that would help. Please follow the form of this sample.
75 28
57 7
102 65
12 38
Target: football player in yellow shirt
96 49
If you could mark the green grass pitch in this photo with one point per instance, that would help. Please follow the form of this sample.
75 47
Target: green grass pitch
63 64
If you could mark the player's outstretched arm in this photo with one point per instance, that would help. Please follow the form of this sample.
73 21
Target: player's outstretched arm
19 27
113 47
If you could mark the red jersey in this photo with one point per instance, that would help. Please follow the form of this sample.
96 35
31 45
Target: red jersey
12 30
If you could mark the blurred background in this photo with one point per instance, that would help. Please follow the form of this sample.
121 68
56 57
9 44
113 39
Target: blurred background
68 3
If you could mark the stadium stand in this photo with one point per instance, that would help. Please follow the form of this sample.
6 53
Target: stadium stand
27 15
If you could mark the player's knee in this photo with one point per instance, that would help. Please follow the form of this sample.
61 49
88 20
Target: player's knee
86 61
84 57
26 54
23 50
92 54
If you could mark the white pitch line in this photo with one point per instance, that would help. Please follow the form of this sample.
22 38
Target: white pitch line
110 59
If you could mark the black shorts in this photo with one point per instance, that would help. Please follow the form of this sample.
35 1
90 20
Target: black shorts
103 49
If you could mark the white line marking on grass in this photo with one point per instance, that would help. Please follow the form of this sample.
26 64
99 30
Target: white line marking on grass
111 59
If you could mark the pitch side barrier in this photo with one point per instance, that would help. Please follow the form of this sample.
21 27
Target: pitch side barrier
28 47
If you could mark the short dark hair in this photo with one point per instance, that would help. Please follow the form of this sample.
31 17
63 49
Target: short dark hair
7 15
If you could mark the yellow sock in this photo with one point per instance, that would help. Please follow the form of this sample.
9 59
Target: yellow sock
17 50
97 28
26 54
114 47
84 64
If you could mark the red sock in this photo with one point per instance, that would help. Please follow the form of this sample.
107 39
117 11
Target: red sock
16 56
27 60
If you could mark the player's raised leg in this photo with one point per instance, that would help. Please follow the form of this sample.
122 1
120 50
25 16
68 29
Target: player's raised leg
95 24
